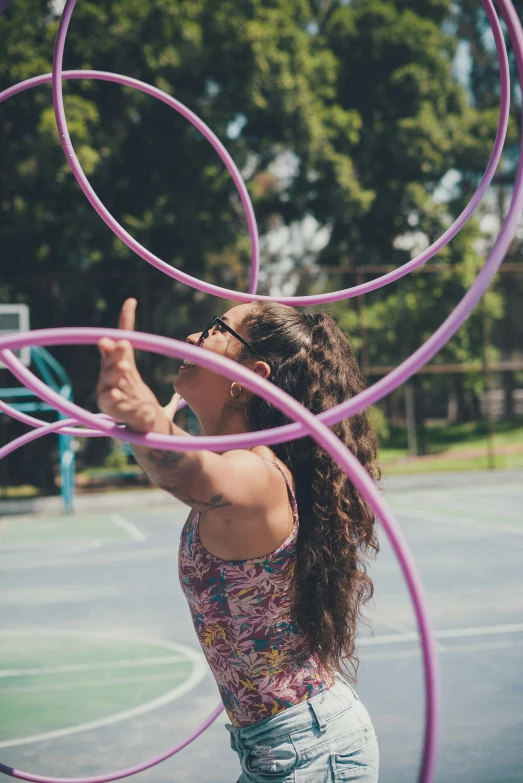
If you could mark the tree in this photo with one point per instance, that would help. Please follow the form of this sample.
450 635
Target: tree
417 125
345 115
484 91
247 69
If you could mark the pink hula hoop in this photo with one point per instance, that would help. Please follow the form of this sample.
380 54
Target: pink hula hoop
321 434
305 422
227 293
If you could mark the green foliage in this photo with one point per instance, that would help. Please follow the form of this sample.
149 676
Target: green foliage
380 423
360 96
418 123
117 458
456 447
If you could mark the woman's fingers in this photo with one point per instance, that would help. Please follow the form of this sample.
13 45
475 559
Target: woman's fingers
115 350
123 351
115 394
170 408
118 373
106 344
106 347
118 357
121 391
127 315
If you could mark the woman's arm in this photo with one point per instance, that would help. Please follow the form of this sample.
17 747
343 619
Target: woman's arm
123 395
169 470
229 484
234 484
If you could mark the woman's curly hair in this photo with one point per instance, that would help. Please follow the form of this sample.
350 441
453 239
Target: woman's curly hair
311 359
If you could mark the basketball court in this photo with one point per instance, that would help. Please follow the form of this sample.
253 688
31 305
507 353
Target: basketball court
100 667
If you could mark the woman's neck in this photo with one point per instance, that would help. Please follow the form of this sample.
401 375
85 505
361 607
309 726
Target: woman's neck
230 421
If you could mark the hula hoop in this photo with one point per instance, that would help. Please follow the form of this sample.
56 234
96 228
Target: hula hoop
323 436
185 112
38 423
306 424
398 376
227 293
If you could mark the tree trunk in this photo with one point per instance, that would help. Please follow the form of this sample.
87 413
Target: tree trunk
396 414
420 412
508 394
461 402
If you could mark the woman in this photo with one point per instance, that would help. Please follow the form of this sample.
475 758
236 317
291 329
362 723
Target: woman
271 558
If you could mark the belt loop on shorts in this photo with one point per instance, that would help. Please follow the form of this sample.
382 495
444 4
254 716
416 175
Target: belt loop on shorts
318 714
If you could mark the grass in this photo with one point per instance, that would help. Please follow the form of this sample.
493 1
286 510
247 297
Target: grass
23 491
391 468
103 472
451 447
456 447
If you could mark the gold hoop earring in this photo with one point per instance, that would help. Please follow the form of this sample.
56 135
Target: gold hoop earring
232 390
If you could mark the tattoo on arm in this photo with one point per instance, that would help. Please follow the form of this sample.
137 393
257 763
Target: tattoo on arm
163 467
161 458
201 505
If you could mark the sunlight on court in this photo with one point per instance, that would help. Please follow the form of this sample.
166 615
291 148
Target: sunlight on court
480 507
54 683
100 644
56 533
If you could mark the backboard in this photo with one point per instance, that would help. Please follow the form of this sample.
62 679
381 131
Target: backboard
15 318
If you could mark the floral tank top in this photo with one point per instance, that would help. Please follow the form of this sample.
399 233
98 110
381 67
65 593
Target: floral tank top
241 614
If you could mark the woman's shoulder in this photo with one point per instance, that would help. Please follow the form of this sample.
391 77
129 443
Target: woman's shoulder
264 452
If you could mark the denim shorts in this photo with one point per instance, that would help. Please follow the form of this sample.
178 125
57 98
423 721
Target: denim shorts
327 739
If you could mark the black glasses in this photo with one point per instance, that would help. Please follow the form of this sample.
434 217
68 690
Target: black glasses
217 320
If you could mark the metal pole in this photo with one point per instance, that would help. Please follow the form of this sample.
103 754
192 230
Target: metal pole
363 326
491 453
411 420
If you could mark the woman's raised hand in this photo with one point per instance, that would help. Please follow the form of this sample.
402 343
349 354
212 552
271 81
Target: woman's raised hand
122 394
172 406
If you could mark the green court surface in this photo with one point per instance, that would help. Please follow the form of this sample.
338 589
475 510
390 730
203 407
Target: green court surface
480 509
100 666
56 532
53 683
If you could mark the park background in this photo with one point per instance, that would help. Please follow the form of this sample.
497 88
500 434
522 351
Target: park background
362 130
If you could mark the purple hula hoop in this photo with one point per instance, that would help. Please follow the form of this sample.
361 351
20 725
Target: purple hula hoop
306 423
404 370
179 107
227 293
326 439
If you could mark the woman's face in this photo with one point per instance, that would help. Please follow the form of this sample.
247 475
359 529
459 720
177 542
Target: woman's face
205 391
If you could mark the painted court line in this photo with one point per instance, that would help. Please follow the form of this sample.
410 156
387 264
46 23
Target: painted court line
71 686
493 511
129 528
82 549
36 544
456 504
468 502
138 554
457 521
458 648
452 633
62 544
402 628
60 595
89 667
195 676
